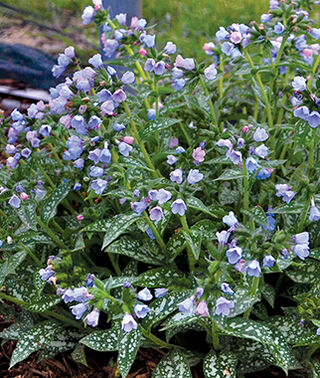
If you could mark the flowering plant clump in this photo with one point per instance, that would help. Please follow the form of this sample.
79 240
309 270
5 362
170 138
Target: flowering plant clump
170 197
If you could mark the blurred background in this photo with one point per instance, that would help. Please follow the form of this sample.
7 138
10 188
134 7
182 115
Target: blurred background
52 24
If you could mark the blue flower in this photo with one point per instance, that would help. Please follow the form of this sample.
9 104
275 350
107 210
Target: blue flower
314 119
144 295
176 176
99 186
79 309
171 160
105 156
149 40
156 214
279 28
170 48
230 219
92 318
253 269
87 15
180 150
262 151
77 186
251 164
124 148
140 206
271 222
222 237
14 202
194 176
268 261
234 255
179 207
96 171
301 238
299 84
260 135
161 292
226 288
314 213
187 306
150 233
94 122
128 323
152 114
163 196
118 127
267 17
302 113
160 68
223 306
141 310
301 250
128 78
210 72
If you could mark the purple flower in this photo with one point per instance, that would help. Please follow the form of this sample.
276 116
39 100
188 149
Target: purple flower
314 213
161 292
171 160
180 150
96 171
140 206
267 17
46 273
87 15
260 135
119 96
187 306
222 34
79 163
251 164
268 261
302 238
77 186
234 255
14 202
163 196
302 113
152 114
141 310
107 107
235 156
128 78
149 65
176 176
253 269
270 220
314 119
222 237
160 68
230 219
279 28
105 156
170 48
301 250
179 207
299 84
92 318
199 292
99 186
156 214
188 64
79 123
150 233
26 152
124 148
194 176
118 127
94 122
262 151
45 130
122 18
210 72
223 306
149 40
202 309
79 309
128 323
226 288
144 295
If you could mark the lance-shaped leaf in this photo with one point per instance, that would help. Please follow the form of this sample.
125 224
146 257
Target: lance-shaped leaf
258 215
194 239
173 365
158 277
196 204
9 265
102 341
291 208
230 174
27 214
43 304
49 207
306 272
156 126
33 339
249 329
221 366
244 300
128 345
112 227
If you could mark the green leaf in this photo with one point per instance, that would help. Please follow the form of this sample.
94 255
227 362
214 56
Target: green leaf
269 294
196 204
249 329
307 272
220 366
157 125
134 249
207 228
128 345
162 307
9 265
79 355
102 341
230 174
316 368
258 215
244 300
158 277
33 339
43 304
18 328
134 162
173 365
176 244
49 207
193 239
20 289
113 227
291 208
27 214
178 320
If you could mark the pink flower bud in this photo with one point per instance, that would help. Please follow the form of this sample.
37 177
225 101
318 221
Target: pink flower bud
24 196
167 66
143 51
245 129
135 43
128 139
80 217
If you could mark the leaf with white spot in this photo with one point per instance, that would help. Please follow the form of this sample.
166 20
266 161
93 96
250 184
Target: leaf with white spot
176 244
173 365
9 265
128 345
193 239
230 174
207 229
102 341
18 328
307 271
42 304
134 249
258 215
33 339
196 204
27 214
291 208
49 207
20 289
315 368
269 294
221 366
158 277
162 307
249 329
156 126
243 300
79 355
179 319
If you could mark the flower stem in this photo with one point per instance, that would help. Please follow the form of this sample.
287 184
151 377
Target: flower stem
31 254
52 235
245 191
253 290
215 336
314 70
206 92
155 339
191 259
156 234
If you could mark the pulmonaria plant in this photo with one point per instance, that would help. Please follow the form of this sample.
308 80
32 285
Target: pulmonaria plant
168 196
